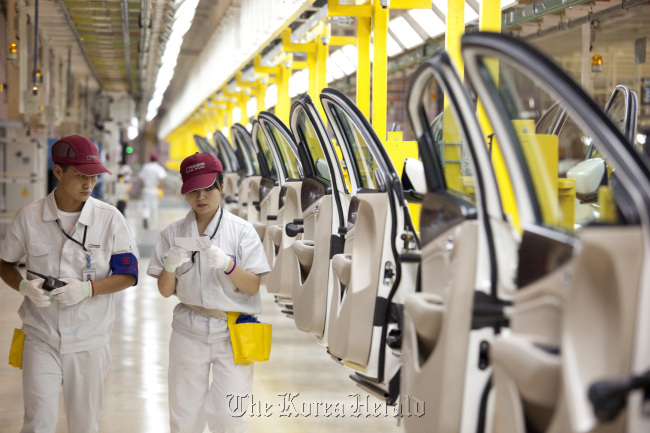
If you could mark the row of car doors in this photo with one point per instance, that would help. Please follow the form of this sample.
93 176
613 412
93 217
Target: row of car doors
501 317
532 319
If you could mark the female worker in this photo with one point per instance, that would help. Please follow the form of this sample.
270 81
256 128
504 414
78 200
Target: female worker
209 283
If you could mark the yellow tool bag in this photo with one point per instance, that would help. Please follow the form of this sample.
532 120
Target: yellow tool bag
16 351
251 340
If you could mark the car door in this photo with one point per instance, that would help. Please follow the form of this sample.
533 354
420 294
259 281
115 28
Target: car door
269 189
579 325
370 277
232 175
250 186
279 248
324 204
203 144
468 250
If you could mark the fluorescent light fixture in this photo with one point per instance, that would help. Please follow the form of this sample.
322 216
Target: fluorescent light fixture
224 130
428 21
342 61
404 32
392 47
132 129
299 83
351 53
441 5
209 136
182 22
334 70
251 107
271 97
470 15
236 115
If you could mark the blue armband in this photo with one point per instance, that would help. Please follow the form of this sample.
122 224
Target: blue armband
125 263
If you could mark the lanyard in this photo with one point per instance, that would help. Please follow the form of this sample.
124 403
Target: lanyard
213 233
81 244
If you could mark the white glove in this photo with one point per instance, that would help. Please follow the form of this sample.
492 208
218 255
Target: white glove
176 256
73 292
34 291
216 258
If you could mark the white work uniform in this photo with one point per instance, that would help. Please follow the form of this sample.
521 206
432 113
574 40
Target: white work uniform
200 342
66 343
151 174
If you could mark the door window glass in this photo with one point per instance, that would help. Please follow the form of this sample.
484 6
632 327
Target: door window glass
307 135
365 166
266 152
570 181
225 154
288 157
245 147
452 153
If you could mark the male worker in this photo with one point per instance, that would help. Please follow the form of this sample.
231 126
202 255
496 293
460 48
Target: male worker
87 245
151 174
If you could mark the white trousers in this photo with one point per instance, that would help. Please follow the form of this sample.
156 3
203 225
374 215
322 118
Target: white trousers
150 204
193 400
81 374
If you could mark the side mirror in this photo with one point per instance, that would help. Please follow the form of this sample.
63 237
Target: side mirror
589 176
413 180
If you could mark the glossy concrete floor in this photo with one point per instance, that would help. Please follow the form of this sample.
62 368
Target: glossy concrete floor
300 389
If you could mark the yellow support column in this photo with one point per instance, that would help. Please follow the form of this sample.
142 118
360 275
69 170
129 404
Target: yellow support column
283 106
490 20
364 29
379 70
282 74
242 100
260 95
455 29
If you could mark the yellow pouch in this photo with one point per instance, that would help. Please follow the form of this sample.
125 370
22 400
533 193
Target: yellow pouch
16 351
251 342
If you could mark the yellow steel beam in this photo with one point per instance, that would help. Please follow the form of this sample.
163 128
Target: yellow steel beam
289 46
259 69
298 65
343 40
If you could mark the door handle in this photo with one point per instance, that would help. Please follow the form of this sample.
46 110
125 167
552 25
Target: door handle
292 230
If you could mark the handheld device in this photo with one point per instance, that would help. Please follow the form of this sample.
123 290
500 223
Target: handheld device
50 283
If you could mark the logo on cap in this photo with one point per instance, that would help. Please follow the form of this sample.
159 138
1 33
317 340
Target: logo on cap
195 167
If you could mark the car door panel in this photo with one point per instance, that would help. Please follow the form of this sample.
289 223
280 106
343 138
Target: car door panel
309 294
323 207
280 280
433 362
350 335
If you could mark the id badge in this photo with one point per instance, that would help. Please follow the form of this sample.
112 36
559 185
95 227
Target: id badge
88 274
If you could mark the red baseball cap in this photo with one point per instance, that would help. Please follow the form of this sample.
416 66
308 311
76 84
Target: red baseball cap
80 153
199 171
